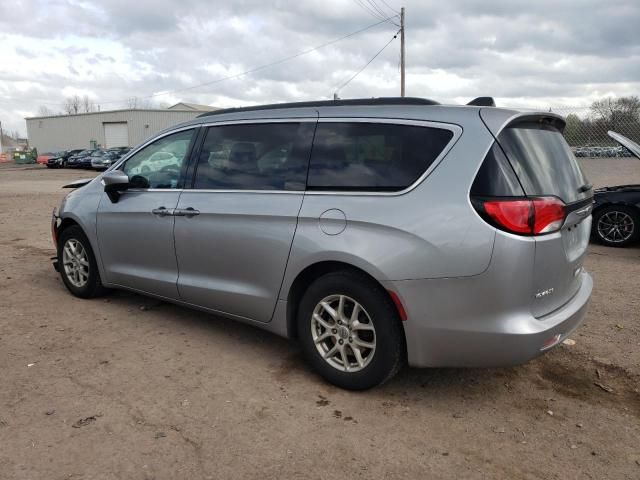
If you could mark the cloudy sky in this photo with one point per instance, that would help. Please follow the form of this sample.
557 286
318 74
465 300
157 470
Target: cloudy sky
525 53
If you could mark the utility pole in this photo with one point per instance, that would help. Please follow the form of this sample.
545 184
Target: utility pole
0 137
402 52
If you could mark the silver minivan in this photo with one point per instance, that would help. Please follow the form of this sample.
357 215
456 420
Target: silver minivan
375 232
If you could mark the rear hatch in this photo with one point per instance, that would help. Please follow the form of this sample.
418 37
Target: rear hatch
560 200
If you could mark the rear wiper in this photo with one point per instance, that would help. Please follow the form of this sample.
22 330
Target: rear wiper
585 188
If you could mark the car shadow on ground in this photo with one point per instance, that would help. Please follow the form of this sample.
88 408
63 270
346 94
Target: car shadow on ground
561 372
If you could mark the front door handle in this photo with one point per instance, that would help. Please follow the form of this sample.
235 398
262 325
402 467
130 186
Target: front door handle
186 212
162 212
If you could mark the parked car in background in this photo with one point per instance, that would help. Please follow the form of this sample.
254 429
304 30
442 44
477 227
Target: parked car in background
59 160
616 213
375 232
79 159
105 159
43 158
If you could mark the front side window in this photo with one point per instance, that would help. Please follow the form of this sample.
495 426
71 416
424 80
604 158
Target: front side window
261 156
158 165
372 156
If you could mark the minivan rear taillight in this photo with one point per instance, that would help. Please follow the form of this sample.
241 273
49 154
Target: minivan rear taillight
523 216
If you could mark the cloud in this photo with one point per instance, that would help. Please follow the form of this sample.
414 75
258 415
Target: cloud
541 53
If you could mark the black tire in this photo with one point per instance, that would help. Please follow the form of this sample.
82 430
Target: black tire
93 285
617 211
390 350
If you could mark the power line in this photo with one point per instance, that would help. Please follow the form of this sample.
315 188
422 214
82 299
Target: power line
367 64
375 6
373 12
362 5
246 72
390 7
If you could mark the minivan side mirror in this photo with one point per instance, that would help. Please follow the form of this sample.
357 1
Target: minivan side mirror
115 182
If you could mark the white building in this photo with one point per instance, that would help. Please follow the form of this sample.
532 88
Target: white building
115 128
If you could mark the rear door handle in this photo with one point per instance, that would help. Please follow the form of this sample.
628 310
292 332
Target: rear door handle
186 212
162 212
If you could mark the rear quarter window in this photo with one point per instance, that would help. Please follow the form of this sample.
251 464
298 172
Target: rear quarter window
354 156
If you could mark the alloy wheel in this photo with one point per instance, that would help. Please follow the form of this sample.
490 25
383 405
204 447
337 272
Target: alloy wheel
75 262
343 333
615 226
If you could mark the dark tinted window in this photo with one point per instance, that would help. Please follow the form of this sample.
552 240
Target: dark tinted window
496 177
262 156
543 161
372 156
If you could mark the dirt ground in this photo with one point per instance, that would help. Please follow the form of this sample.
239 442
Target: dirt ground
126 387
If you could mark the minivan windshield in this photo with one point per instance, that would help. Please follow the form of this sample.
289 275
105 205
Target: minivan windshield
544 162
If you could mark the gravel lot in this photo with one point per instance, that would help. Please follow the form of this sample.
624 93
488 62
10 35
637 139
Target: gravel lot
127 387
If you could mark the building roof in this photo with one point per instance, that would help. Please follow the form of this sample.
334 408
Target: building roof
192 106
103 112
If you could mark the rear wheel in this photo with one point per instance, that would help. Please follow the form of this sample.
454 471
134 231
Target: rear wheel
77 264
616 225
350 332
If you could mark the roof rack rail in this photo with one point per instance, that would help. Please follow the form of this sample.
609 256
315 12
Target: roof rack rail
328 103
483 102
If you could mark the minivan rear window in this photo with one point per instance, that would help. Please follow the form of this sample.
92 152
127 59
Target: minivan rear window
543 161
354 156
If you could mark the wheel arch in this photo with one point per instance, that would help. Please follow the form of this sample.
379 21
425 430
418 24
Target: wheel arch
69 219
616 203
310 273
66 223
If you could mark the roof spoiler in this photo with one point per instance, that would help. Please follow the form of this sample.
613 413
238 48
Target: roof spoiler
483 102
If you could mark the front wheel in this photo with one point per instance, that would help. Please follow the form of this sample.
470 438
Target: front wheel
77 264
616 225
350 332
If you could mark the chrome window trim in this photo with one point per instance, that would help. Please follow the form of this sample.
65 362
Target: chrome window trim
456 130
204 190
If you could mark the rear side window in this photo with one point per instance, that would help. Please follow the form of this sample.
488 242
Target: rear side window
543 161
262 156
372 156
496 177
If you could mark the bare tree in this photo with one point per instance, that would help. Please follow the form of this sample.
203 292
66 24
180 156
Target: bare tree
72 105
87 105
44 111
617 112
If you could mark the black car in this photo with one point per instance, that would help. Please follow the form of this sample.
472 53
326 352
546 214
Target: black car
616 210
59 160
82 159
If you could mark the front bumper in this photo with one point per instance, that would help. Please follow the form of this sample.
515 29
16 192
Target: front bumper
448 328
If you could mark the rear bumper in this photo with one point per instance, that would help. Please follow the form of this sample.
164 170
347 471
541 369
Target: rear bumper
453 329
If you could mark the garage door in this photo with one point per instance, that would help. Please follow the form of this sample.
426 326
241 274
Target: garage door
116 135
